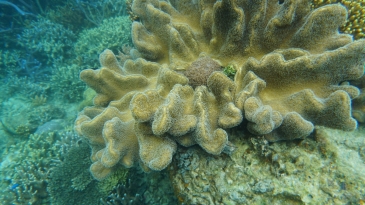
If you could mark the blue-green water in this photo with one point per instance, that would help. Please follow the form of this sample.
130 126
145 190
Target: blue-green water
67 141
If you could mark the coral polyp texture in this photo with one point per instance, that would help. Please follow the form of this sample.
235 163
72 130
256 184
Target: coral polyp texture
292 67
355 24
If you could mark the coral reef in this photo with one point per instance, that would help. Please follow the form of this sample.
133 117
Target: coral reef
155 188
64 179
66 83
47 41
123 196
326 169
24 87
291 67
113 33
19 63
19 117
8 62
25 168
141 188
71 183
39 100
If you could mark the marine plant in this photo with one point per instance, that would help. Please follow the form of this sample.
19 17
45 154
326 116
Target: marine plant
292 65
230 71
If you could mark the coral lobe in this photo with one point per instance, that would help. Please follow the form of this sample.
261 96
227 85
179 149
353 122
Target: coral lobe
291 64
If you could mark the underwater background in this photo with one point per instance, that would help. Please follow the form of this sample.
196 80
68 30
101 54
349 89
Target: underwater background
45 44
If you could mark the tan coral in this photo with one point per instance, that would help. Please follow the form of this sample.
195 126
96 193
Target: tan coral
291 62
200 70
355 24
155 151
358 104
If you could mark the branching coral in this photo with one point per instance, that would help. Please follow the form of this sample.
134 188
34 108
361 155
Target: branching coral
123 195
25 87
8 62
70 180
291 64
66 83
49 42
112 34
25 168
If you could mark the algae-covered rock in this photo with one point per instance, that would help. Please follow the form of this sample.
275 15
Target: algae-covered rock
21 118
326 168
88 96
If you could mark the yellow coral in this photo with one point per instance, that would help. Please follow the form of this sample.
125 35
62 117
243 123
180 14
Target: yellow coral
290 63
355 24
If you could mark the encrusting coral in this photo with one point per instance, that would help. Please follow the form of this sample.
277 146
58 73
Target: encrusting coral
291 64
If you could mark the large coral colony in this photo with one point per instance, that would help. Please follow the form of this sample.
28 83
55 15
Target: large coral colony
293 68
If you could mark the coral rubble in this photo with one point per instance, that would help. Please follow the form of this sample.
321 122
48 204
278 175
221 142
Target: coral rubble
292 65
